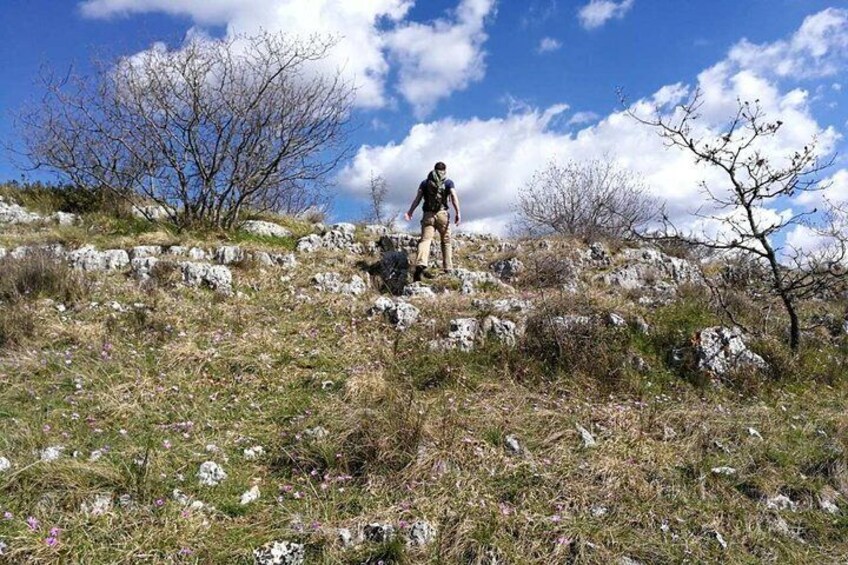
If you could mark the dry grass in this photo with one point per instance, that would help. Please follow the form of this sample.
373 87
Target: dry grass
412 434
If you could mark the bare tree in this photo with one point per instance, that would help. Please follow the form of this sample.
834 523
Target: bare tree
587 200
377 191
207 131
737 214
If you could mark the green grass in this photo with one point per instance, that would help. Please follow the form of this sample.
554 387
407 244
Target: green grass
411 433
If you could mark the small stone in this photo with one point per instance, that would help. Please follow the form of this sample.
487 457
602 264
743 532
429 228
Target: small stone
52 453
345 537
754 433
210 474
379 533
616 320
253 453
512 445
421 533
720 539
781 502
316 433
726 471
599 511
5 464
418 290
280 553
588 440
101 505
250 496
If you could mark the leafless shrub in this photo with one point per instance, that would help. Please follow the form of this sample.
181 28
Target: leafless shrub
377 192
591 200
207 131
755 181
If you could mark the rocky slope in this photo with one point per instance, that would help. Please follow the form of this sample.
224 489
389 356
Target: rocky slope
293 398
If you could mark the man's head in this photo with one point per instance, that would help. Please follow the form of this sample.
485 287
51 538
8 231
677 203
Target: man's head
441 166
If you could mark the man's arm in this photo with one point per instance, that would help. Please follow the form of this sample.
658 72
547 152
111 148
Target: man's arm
455 201
418 197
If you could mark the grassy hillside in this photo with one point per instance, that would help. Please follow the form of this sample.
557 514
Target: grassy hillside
141 383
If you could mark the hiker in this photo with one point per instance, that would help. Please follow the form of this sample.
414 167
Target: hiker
435 191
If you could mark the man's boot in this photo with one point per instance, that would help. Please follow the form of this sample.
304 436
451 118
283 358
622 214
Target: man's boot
416 275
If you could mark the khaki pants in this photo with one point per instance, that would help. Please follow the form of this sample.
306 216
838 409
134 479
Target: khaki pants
431 222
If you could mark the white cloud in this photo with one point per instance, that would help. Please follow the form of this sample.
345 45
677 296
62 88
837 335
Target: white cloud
598 12
491 160
372 33
548 44
442 57
818 49
581 118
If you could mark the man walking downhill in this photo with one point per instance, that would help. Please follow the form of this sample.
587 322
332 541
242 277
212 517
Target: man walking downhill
435 191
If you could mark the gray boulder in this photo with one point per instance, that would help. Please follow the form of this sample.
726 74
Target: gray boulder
88 258
142 267
418 290
284 260
504 331
216 277
11 213
721 350
142 251
64 218
333 283
265 229
228 254
152 212
507 269
462 335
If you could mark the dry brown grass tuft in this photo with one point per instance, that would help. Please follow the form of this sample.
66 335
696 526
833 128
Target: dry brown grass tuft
39 275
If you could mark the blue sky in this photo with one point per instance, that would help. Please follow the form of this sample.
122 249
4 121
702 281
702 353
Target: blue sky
467 82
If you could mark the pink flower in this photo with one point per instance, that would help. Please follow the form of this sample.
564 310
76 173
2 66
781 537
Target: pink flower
54 532
32 522
159 502
166 444
8 515
51 541
186 551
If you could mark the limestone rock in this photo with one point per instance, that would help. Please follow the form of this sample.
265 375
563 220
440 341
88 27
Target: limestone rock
228 254
507 269
144 251
153 212
11 213
421 533
504 331
280 553
249 496
418 290
721 350
211 474
216 277
379 533
332 283
265 229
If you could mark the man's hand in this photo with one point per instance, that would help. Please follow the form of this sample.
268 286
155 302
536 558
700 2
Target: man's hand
407 217
458 219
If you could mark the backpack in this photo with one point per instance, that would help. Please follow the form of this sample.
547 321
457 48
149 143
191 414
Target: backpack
435 193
